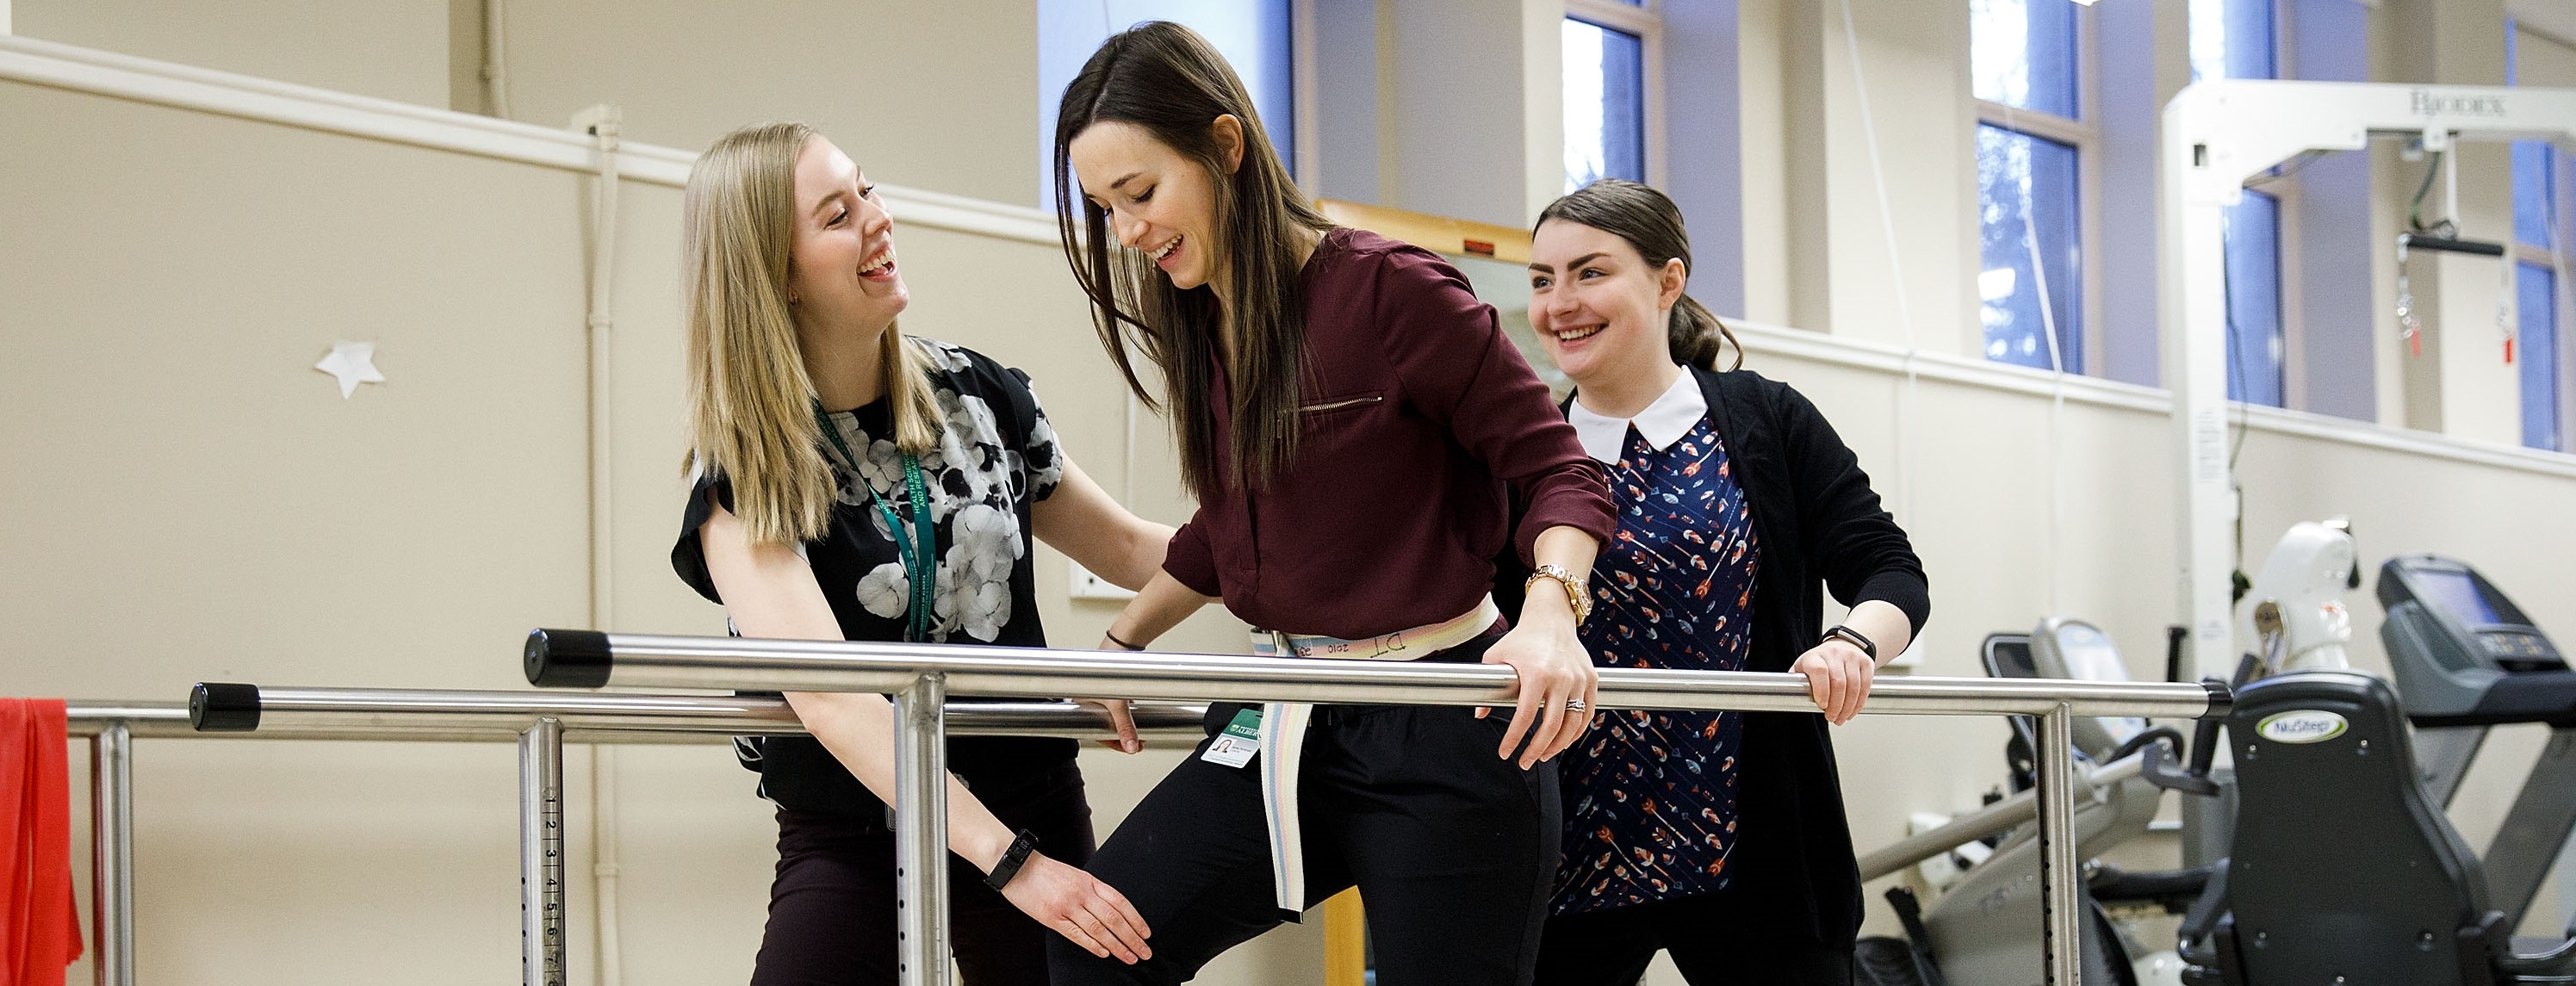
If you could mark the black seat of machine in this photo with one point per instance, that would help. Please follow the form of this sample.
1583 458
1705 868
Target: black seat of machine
2343 870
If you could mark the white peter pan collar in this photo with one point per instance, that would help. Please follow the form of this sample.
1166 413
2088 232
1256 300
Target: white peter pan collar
1663 422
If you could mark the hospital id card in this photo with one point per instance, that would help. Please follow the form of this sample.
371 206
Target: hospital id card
1241 738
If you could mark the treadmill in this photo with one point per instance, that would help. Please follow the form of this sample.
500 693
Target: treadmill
2464 659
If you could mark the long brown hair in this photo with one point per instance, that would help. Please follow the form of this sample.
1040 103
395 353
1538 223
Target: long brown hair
751 401
1166 79
1652 224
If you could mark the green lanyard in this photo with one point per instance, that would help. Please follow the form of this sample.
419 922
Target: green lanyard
919 567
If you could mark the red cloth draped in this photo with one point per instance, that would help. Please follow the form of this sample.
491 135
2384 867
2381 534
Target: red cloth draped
39 924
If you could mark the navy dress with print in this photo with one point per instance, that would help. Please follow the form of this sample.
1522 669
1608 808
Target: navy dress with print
1650 795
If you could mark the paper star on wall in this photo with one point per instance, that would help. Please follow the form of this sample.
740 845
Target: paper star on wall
353 363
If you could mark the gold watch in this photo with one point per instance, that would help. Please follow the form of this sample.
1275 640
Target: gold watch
1578 593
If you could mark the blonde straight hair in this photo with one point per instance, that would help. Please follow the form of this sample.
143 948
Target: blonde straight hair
751 402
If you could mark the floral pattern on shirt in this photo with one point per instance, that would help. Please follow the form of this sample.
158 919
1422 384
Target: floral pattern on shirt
974 480
1650 795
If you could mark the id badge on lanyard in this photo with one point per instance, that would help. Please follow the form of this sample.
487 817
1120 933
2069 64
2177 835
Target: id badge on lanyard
919 552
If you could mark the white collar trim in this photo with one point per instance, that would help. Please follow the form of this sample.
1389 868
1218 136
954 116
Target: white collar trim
1663 422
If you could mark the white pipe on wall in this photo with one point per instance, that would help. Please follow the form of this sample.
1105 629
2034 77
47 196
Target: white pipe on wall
496 62
602 124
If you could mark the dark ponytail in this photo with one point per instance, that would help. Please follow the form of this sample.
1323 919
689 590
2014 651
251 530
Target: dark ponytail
1651 223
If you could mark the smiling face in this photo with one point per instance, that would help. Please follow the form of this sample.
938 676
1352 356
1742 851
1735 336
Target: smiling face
844 277
1600 311
1160 202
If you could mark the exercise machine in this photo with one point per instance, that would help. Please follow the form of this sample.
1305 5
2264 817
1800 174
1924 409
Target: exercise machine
2344 870
2465 659
1980 932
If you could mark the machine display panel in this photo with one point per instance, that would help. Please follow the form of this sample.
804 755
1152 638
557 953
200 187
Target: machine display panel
2458 594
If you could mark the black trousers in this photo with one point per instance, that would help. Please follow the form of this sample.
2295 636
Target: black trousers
1716 939
831 908
1451 846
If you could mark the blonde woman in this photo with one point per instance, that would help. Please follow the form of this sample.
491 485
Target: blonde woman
852 483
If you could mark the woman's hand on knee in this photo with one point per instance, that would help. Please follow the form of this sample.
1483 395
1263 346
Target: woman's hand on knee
1078 906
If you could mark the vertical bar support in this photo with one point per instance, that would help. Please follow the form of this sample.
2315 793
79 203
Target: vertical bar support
2062 906
541 854
921 832
111 854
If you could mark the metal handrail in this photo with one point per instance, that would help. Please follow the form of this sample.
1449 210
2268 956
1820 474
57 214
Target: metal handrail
540 722
1993 819
920 677
587 659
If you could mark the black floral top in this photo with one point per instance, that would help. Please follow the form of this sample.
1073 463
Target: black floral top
996 456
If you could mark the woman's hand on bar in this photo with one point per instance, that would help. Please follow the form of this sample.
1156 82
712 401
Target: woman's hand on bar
1078 906
1558 685
1120 720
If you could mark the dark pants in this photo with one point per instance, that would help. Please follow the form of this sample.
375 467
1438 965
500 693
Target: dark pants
831 910
1451 847
1717 939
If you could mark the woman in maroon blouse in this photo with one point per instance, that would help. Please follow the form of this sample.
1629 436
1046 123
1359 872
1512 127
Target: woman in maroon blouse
1349 417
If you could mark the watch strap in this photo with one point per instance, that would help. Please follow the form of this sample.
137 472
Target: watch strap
1854 638
1012 859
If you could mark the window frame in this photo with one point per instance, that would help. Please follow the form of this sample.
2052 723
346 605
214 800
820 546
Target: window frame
2557 263
1646 21
2084 134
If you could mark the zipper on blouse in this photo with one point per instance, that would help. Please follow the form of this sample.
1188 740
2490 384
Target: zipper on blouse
1338 405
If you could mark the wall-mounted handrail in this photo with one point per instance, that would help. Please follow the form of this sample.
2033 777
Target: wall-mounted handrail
920 676
540 722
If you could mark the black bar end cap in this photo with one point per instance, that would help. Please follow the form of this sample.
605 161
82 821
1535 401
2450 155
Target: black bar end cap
223 707
2222 699
567 658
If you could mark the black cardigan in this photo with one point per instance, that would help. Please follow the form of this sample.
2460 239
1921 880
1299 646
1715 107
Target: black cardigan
1816 520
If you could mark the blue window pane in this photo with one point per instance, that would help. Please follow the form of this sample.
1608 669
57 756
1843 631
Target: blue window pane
2537 352
2532 162
2232 39
2254 343
1605 104
1252 35
2021 53
2028 205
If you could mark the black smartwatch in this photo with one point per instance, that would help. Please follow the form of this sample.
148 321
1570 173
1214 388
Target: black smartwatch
1854 638
1012 859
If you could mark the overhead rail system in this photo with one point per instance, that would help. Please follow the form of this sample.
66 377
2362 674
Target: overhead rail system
2218 135
921 677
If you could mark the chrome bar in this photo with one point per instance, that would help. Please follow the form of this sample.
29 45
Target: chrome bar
111 859
921 833
140 719
586 659
415 715
1993 819
468 716
541 849
2062 938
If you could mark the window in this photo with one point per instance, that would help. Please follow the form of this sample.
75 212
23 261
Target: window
2537 338
1253 35
1610 54
2540 264
2236 39
2034 141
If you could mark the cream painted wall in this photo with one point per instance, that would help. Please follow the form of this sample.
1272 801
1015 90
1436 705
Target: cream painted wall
940 96
395 49
258 527
317 541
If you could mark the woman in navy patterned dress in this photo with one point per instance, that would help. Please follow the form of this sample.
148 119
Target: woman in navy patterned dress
1716 836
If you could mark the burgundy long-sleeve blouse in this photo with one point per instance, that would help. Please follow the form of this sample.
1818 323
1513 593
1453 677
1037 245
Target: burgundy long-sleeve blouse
1416 413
